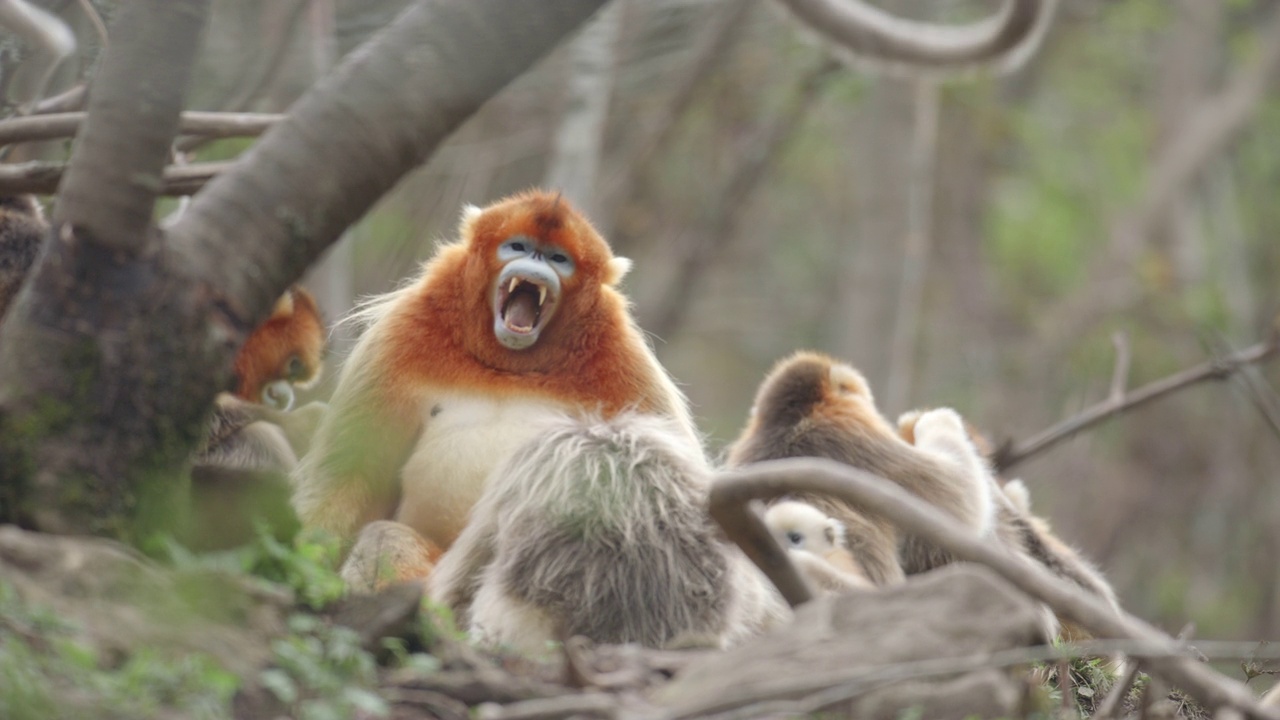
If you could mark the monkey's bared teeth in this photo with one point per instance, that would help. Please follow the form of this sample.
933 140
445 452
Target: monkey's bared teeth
514 282
542 295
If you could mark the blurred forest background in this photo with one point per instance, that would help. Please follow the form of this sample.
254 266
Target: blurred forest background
973 243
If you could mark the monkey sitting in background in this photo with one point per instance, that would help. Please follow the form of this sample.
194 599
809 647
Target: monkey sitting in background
22 231
254 436
1021 530
811 405
816 543
599 528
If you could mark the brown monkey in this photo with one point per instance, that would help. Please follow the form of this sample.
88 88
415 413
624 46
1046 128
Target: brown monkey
254 436
812 405
599 528
252 428
22 231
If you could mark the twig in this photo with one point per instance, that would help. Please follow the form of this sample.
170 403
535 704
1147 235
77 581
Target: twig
42 177
278 48
593 704
726 211
65 101
1013 453
919 238
747 530
1120 373
31 128
707 57
95 19
876 495
1115 699
1066 686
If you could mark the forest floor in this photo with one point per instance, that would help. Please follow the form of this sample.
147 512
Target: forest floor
92 628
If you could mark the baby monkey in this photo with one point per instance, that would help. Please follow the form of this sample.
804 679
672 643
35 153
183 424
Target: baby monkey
816 543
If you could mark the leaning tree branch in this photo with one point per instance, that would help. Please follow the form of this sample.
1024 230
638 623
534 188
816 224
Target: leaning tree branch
1003 41
256 228
1013 453
32 128
876 495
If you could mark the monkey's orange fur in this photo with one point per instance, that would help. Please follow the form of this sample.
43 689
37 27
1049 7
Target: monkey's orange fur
589 356
430 400
286 346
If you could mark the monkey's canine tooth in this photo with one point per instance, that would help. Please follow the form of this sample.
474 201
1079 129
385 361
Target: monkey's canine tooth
542 295
512 287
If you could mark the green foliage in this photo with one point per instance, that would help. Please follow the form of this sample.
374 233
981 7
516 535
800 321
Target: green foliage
47 673
322 672
306 566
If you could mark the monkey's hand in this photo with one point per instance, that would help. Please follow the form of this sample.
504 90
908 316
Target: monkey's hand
907 425
823 575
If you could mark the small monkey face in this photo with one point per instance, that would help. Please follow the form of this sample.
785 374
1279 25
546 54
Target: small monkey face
801 526
283 353
527 290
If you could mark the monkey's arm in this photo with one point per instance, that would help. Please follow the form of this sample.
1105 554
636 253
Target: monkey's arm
350 476
240 436
967 491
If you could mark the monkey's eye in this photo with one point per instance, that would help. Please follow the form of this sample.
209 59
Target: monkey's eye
561 261
515 247
796 539
295 369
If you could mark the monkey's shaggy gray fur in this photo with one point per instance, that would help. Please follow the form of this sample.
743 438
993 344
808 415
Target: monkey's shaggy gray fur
599 528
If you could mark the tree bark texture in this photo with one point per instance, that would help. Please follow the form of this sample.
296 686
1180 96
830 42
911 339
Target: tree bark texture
91 353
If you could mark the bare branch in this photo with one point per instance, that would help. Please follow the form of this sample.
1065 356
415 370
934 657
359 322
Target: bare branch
49 38
114 176
33 128
726 211
747 530
95 19
42 178
66 101
876 495
1013 453
1119 373
707 58
922 163
1003 40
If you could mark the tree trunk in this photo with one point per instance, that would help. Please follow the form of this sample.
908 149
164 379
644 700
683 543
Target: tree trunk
91 359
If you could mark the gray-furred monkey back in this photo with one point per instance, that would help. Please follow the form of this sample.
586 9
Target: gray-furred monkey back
599 528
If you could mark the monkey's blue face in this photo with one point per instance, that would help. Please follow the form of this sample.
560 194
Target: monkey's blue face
527 289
